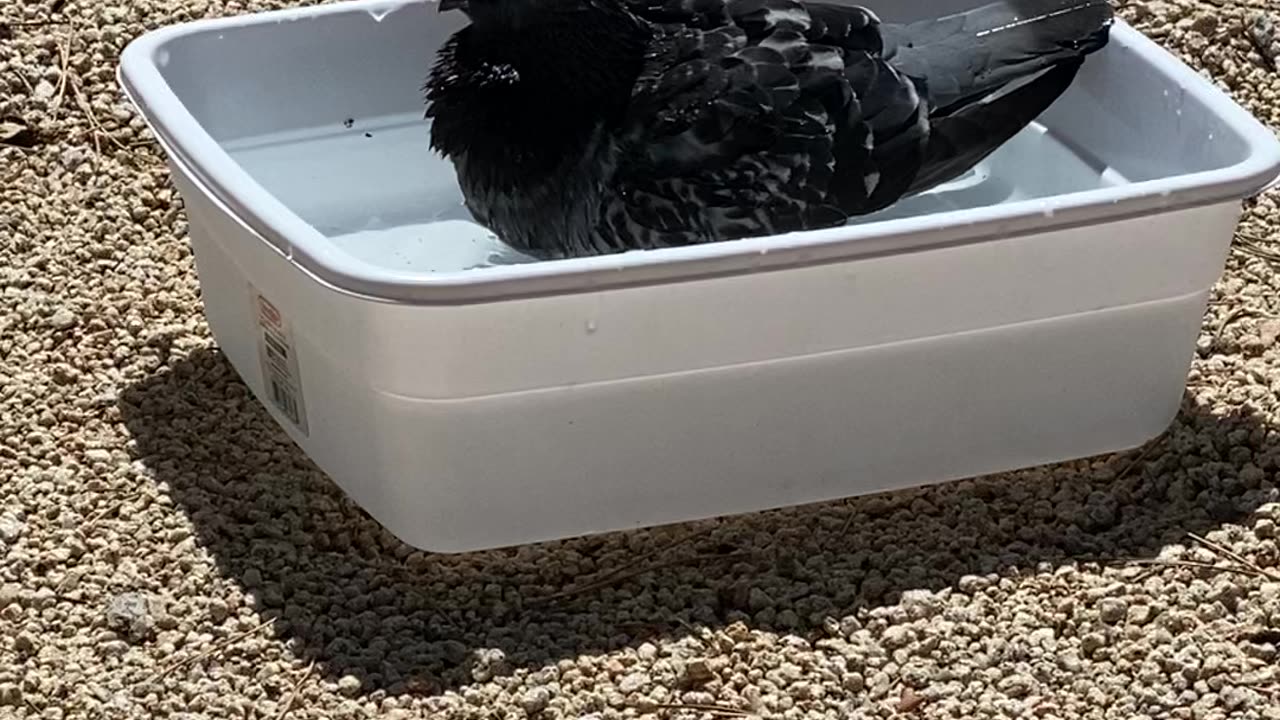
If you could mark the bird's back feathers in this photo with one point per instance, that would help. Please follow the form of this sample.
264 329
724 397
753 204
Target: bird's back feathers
753 117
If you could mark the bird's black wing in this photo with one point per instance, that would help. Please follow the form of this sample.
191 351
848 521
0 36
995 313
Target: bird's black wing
988 72
967 55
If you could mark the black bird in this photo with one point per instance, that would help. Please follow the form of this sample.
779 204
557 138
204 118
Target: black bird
583 127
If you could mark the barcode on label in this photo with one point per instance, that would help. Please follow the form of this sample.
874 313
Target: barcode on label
279 362
283 397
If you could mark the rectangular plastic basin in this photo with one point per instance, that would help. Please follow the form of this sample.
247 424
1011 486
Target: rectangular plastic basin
1043 308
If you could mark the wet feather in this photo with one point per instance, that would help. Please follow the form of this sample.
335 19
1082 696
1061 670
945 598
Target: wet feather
583 127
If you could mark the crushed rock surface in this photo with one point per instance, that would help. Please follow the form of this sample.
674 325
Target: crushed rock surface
165 551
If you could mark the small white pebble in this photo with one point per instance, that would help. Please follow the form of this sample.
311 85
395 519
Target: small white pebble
11 528
535 700
633 682
349 685
1112 610
897 636
63 319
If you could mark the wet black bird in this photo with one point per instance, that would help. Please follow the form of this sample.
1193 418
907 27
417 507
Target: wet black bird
582 127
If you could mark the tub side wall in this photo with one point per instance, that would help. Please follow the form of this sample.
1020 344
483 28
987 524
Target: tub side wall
467 475
913 400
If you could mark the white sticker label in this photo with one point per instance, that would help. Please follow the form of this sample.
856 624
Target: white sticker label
279 362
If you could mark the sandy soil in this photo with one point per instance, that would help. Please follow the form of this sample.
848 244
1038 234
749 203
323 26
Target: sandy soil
166 552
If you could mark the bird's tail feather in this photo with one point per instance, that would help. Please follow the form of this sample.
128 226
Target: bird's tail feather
963 57
964 138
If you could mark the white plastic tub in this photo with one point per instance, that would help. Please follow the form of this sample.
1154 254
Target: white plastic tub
1044 308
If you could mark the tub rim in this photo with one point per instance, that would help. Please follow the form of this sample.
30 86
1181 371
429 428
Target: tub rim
219 178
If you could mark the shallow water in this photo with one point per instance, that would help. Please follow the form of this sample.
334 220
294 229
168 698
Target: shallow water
374 188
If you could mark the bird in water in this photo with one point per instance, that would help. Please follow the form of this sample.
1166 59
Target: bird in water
587 127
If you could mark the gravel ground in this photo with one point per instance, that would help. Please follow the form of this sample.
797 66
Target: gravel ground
166 552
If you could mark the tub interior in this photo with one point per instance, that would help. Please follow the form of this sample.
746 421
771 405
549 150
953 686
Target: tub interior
325 112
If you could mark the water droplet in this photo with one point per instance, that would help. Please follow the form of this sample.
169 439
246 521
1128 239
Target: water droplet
591 327
162 58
